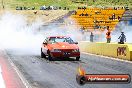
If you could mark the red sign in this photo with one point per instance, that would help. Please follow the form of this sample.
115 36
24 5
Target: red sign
121 51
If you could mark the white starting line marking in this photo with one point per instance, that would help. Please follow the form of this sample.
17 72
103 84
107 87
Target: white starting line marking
2 83
112 58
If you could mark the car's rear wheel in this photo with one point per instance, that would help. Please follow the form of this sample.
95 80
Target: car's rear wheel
42 54
50 58
78 58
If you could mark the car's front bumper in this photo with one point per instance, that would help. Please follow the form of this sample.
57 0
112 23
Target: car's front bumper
65 54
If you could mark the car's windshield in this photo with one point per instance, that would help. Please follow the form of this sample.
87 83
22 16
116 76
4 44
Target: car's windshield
59 39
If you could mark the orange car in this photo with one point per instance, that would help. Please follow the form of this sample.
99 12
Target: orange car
59 46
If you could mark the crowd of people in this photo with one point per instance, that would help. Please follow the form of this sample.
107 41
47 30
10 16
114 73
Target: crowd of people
41 8
115 8
122 37
113 17
25 8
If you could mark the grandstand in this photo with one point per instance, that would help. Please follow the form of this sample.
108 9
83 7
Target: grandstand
97 18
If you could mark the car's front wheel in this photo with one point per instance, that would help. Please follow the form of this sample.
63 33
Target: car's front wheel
78 58
50 58
42 54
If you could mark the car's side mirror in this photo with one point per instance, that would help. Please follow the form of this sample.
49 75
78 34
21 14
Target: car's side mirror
44 43
76 42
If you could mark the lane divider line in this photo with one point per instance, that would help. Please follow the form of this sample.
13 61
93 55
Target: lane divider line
112 58
23 79
2 82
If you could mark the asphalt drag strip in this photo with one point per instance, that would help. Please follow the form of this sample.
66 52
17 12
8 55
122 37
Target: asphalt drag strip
8 75
41 73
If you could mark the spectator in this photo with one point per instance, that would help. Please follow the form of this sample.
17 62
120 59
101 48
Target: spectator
96 26
113 16
17 8
20 8
25 8
84 8
126 8
108 35
64 8
110 18
115 8
122 7
48 8
55 8
79 7
122 38
119 18
91 37
43 7
75 12
81 14
82 30
33 8
28 8
59 7
86 14
35 12
51 7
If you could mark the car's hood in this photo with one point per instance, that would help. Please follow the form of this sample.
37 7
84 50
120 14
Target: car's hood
63 45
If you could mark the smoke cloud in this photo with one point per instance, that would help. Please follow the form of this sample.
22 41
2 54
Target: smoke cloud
122 27
23 38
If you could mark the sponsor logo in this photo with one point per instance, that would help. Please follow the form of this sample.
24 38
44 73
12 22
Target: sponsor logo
121 51
83 78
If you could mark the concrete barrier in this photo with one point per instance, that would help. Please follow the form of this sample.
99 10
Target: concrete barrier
122 51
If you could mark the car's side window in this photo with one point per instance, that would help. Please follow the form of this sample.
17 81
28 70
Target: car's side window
51 40
69 40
